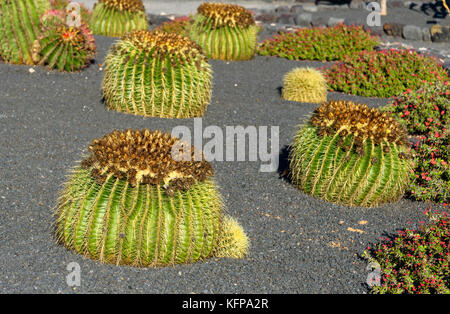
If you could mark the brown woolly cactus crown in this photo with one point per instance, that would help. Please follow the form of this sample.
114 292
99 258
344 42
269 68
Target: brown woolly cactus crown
360 121
227 14
162 44
125 5
145 157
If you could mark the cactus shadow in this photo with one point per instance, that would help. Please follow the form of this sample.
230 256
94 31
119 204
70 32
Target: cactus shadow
283 166
280 90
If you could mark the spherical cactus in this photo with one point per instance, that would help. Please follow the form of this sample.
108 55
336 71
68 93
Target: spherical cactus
62 47
157 74
305 85
137 200
225 31
117 17
351 155
19 28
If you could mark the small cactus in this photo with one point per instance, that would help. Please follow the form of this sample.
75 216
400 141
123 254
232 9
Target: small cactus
225 31
131 203
117 17
157 74
351 155
62 47
305 85
19 28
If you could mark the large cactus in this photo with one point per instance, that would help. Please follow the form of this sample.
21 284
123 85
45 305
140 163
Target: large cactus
225 31
117 17
63 47
352 155
157 74
19 28
137 200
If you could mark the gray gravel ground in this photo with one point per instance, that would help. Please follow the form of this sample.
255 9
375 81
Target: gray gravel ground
298 244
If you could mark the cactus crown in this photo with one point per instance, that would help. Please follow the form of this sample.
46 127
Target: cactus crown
226 14
162 44
125 5
145 157
71 34
363 123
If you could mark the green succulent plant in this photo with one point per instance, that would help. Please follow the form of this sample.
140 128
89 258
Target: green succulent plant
132 203
305 85
19 28
63 47
157 74
225 31
117 17
351 155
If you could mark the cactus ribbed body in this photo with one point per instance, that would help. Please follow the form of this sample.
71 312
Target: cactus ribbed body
144 226
129 203
117 17
305 85
157 74
19 27
341 166
225 32
64 48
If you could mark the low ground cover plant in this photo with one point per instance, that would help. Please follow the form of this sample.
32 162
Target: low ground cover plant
324 44
385 73
426 114
179 26
415 261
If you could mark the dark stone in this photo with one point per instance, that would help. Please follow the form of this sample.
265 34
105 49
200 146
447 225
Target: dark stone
393 29
266 18
374 30
282 9
286 19
297 9
332 21
319 21
349 21
157 19
307 7
303 19
426 35
440 33
395 3
357 4
412 32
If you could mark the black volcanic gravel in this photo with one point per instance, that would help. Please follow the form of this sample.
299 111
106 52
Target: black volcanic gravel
298 244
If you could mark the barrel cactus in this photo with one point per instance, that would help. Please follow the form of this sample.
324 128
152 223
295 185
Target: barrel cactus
137 200
305 85
19 28
63 47
351 155
157 74
225 31
117 17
